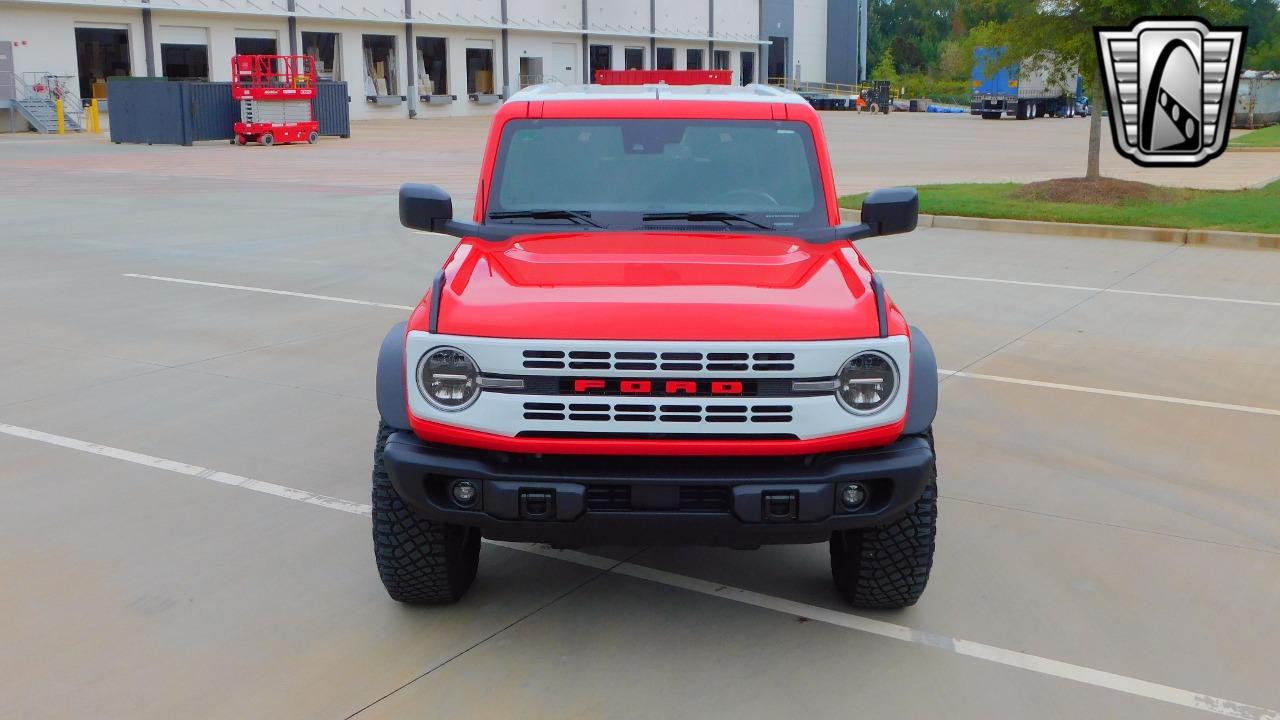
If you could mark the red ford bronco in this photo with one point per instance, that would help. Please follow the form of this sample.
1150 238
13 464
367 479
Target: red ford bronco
655 329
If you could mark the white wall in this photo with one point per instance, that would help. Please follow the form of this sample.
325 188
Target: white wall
682 17
810 42
618 45
49 29
221 31
461 12
351 60
618 16
541 45
545 14
738 19
50 36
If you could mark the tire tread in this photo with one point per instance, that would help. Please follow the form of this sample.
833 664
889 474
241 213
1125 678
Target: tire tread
887 567
419 561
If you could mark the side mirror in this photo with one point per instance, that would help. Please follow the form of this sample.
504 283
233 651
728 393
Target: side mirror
425 207
887 212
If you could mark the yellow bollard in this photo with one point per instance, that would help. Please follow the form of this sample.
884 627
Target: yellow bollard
62 120
95 123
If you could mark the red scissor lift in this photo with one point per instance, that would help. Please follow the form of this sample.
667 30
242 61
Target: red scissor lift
276 94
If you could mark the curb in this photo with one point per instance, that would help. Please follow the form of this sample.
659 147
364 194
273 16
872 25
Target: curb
1216 238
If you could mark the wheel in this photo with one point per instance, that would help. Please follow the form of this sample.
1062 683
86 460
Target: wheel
240 140
888 567
313 137
419 561
267 139
1021 112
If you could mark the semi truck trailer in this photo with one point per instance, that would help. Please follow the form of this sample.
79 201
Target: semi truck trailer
1023 90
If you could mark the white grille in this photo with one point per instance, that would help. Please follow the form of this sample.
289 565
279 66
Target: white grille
510 413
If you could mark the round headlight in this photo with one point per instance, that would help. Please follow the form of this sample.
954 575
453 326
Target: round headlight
447 378
868 382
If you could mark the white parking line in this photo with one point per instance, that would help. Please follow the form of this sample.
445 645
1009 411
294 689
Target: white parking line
1113 393
268 291
958 646
184 469
1176 296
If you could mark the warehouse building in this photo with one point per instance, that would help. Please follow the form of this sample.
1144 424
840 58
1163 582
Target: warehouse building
424 58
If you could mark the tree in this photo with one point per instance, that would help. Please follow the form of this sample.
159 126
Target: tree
906 55
1262 51
955 60
885 69
924 23
1058 34
1260 16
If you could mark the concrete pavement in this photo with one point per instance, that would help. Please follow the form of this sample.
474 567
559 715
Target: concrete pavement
1133 539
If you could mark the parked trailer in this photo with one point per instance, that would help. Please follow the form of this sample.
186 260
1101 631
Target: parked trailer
1022 90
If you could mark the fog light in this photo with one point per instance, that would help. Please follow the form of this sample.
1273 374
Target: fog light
853 496
464 493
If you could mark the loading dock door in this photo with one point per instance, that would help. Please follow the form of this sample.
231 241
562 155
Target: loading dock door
101 52
251 45
777 66
564 62
184 52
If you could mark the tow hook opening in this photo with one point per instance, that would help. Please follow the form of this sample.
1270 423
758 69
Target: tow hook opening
780 506
537 504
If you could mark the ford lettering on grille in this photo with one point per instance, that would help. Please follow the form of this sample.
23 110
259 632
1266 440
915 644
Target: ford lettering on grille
657 388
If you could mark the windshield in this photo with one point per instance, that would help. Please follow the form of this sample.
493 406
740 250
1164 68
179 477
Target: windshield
725 174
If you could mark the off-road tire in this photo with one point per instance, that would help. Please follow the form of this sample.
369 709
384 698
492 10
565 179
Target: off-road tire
420 561
887 567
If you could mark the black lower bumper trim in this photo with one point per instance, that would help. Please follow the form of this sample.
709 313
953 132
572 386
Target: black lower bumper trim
728 501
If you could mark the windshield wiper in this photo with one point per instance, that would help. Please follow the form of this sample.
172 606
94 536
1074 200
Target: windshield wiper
580 217
710 216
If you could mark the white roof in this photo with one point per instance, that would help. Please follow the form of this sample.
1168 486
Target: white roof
736 93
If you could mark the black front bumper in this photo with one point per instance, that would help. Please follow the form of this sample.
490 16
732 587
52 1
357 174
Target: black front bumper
609 500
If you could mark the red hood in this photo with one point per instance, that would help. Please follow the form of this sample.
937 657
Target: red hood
657 286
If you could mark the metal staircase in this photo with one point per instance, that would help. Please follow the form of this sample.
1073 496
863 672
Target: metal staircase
37 103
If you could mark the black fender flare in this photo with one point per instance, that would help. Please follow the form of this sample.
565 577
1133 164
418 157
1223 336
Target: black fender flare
923 404
392 394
